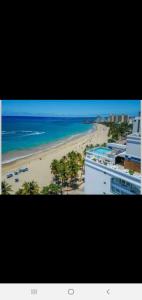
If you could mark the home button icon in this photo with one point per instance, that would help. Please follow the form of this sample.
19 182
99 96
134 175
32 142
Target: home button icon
71 292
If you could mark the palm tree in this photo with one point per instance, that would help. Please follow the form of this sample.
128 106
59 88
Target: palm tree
52 189
73 168
6 188
88 147
55 170
64 172
29 188
20 192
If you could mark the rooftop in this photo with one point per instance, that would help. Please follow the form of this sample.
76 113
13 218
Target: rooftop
107 159
134 135
110 165
109 152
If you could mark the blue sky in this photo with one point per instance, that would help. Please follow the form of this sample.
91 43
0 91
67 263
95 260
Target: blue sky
69 108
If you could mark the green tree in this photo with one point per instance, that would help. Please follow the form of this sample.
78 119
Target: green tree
52 189
131 172
74 165
88 147
6 188
20 192
55 170
111 141
29 188
66 170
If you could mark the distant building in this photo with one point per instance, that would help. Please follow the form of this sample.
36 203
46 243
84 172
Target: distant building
124 118
119 118
116 119
112 118
115 169
137 125
130 120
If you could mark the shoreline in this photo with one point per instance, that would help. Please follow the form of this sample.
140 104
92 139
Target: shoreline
39 163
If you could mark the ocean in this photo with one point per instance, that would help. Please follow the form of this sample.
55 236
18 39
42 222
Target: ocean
20 135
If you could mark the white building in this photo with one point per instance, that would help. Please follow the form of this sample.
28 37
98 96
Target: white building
137 125
115 169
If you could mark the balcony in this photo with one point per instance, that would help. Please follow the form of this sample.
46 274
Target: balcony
123 189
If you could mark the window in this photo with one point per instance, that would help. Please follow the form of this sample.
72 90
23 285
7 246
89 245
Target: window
138 125
122 187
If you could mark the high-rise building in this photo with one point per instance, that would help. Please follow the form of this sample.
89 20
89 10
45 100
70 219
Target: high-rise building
112 118
119 118
116 170
116 119
137 125
124 118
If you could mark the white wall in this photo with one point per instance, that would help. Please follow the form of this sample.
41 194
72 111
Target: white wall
116 146
94 181
96 175
133 149
135 125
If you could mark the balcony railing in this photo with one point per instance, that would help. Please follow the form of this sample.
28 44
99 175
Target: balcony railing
125 189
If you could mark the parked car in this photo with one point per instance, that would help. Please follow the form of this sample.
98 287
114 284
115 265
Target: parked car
25 170
16 180
16 173
9 175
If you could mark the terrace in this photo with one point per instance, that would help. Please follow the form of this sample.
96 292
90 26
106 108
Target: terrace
106 153
108 160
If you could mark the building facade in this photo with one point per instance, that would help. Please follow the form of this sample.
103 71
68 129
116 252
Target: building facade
115 169
119 118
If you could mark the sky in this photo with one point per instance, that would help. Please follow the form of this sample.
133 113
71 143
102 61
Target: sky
69 108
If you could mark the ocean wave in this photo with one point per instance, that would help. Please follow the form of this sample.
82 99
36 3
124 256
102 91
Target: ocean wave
29 132
8 132
35 133
26 131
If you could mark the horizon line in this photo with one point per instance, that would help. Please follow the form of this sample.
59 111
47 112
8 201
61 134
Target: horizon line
78 116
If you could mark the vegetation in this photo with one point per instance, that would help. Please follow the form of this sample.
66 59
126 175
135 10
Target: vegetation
111 141
88 147
52 189
68 170
6 188
119 130
29 188
131 172
103 145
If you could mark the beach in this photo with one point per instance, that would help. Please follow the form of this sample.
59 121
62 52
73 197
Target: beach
39 163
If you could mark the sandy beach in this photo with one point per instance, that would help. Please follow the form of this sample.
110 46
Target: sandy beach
39 163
